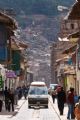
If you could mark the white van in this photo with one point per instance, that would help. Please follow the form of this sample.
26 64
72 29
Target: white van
38 94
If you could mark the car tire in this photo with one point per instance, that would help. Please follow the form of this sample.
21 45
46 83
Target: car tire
29 106
46 106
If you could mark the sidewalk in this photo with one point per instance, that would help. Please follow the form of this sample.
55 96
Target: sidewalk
64 116
16 108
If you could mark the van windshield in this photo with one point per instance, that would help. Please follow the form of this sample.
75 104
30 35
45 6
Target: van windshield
38 90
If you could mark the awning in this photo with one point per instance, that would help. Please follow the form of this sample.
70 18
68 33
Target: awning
10 74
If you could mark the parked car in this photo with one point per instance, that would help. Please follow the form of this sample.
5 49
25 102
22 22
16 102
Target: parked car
52 87
38 95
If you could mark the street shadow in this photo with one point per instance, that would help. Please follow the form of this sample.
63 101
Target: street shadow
8 113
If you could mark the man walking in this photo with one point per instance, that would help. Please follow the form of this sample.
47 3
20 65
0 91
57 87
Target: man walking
70 100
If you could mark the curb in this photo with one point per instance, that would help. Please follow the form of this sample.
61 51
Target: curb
55 110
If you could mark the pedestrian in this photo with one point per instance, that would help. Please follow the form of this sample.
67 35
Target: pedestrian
53 95
6 98
77 111
71 104
11 100
1 105
19 93
24 91
16 96
61 99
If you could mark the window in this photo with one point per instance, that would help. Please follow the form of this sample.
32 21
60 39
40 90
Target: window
72 26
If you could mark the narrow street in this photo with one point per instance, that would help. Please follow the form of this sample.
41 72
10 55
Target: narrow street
39 59
32 114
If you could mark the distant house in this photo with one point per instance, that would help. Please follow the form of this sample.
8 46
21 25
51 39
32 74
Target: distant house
71 22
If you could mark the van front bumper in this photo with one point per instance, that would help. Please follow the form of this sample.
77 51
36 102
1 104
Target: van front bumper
37 101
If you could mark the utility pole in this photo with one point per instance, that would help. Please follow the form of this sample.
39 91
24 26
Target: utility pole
53 61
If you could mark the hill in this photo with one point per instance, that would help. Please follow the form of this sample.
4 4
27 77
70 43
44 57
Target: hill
46 7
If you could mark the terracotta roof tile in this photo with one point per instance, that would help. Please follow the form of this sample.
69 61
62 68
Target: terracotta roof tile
75 11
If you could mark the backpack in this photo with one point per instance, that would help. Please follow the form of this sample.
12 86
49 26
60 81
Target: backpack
76 99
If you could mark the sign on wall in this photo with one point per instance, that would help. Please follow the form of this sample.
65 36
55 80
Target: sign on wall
3 42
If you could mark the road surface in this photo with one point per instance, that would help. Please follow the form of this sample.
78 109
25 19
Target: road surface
32 114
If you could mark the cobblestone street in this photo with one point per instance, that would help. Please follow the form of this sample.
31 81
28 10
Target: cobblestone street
22 112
